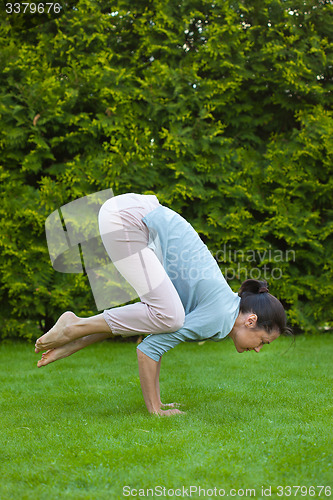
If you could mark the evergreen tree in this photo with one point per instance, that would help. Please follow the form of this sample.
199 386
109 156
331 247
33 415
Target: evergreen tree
220 108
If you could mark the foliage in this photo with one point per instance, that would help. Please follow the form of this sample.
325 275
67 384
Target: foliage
220 108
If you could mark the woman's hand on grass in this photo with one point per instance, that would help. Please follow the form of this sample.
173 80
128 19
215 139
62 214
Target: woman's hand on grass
170 405
168 413
149 379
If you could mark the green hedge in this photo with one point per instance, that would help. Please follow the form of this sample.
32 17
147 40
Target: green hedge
221 108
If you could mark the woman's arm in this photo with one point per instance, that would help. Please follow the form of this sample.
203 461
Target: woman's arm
149 379
148 369
164 405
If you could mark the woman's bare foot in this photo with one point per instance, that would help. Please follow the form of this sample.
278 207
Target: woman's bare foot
67 349
58 353
58 335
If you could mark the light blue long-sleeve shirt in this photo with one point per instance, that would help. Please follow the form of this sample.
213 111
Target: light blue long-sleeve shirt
211 307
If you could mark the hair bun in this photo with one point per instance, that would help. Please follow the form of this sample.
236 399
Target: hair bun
252 287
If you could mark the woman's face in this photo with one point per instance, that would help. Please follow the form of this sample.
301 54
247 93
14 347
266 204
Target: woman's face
247 337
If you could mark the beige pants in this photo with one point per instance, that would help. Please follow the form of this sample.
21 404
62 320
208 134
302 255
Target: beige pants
125 237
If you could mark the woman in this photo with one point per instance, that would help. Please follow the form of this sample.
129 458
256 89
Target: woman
183 295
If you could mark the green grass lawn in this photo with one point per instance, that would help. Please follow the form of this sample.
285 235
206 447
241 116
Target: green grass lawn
79 429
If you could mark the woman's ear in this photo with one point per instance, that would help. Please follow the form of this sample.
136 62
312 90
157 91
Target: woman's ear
251 321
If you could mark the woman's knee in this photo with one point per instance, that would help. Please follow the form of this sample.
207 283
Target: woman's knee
179 317
173 322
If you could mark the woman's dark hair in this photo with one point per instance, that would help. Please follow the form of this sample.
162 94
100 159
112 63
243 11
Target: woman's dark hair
256 298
